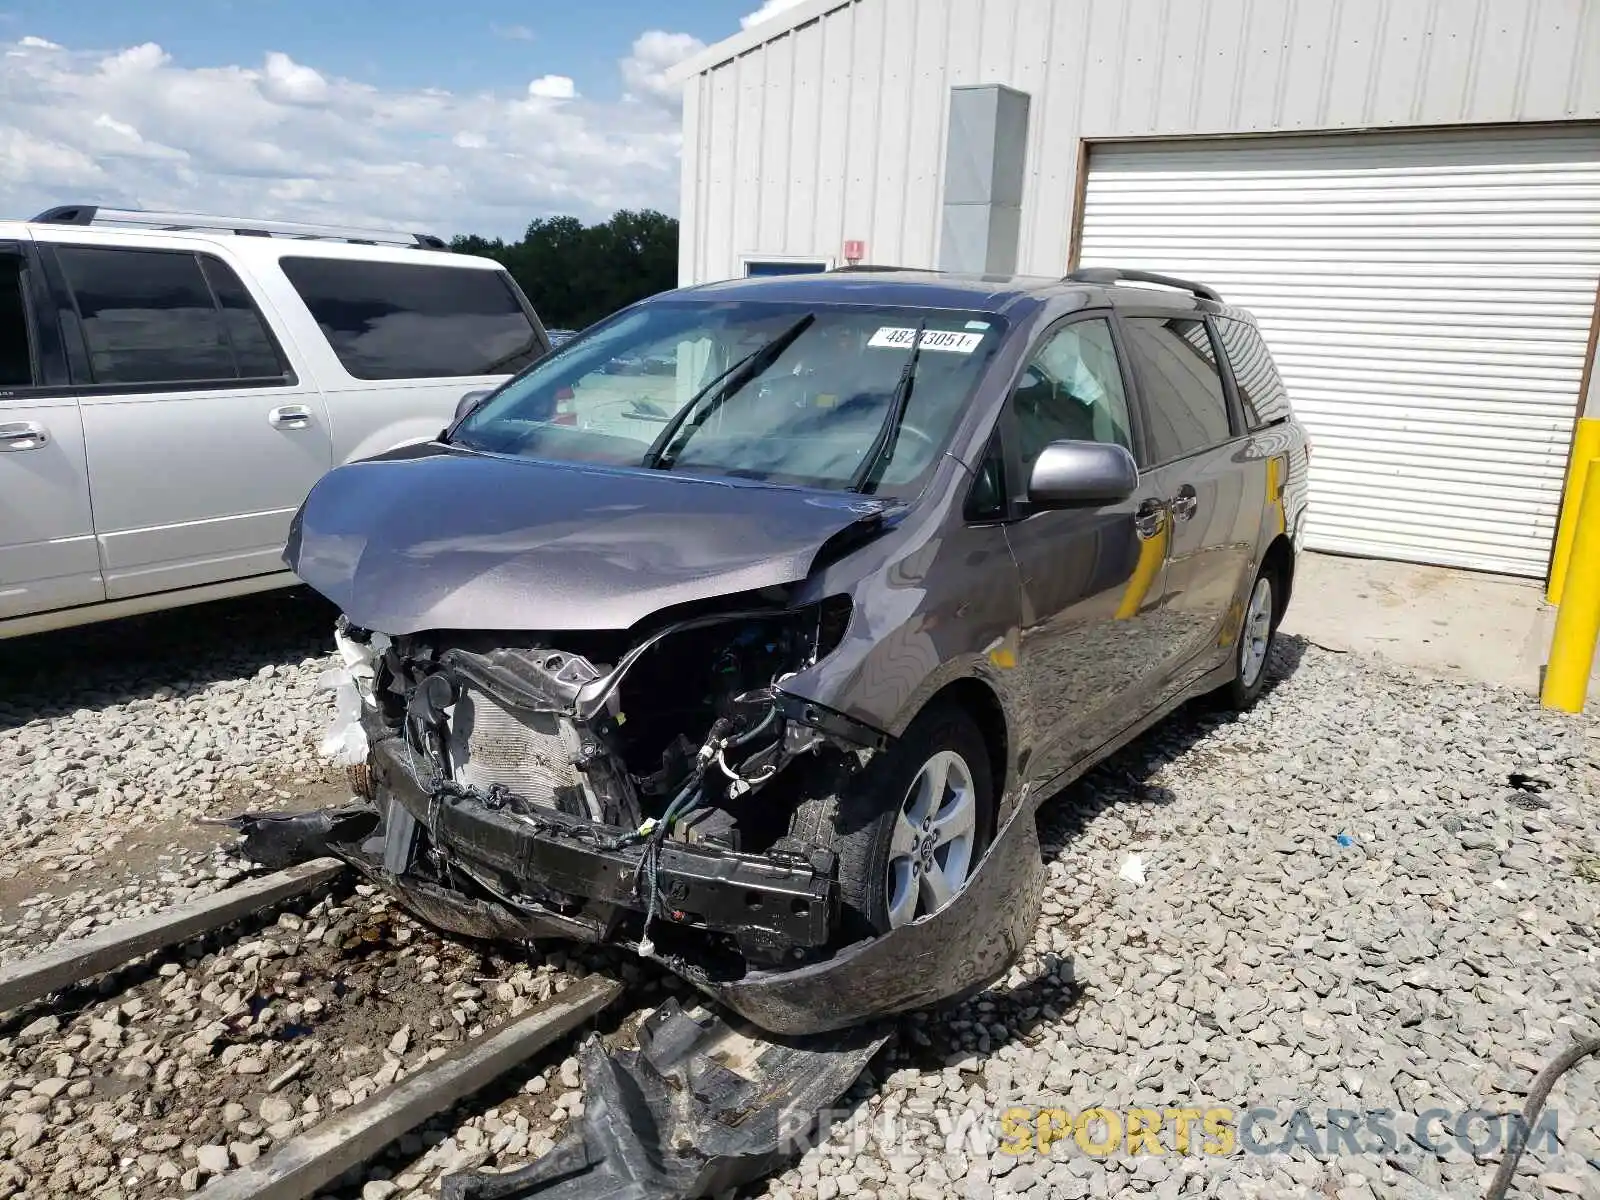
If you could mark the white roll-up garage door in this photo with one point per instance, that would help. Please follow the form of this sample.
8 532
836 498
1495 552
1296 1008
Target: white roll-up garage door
1427 298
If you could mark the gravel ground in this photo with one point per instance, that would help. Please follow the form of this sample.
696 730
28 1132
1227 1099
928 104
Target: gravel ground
200 1062
113 738
1345 904
1342 900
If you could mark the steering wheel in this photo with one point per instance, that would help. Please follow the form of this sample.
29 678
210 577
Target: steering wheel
924 438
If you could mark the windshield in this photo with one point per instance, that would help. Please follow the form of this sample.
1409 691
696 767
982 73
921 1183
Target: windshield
806 415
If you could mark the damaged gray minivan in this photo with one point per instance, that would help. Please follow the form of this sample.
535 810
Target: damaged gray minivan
749 627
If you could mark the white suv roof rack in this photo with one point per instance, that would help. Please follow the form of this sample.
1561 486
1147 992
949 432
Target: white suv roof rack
94 214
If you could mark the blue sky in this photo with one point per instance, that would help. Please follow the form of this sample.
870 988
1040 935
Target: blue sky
474 116
389 43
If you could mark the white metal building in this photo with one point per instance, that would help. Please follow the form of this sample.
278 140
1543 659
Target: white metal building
1406 192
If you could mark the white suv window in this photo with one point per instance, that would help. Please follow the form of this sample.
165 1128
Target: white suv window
415 321
16 347
161 317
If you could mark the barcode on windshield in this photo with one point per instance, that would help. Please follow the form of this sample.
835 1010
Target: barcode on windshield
952 341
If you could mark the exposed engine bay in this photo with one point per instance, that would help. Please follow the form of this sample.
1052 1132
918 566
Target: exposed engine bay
637 794
684 727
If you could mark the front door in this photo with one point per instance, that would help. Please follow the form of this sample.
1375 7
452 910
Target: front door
1091 578
1214 489
47 550
201 440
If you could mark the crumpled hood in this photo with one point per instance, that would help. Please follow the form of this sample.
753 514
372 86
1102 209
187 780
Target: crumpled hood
431 538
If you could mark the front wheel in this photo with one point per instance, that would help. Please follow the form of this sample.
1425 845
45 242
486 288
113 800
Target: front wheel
1257 633
910 828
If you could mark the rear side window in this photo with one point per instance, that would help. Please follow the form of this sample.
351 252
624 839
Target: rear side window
253 347
1255 375
152 317
414 321
1186 408
16 346
147 316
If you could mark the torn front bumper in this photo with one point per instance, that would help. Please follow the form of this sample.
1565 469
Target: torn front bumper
954 952
772 906
950 954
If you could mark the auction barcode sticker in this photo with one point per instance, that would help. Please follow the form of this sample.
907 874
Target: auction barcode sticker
949 340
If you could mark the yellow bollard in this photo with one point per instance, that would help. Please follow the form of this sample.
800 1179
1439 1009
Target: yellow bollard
1585 449
1566 679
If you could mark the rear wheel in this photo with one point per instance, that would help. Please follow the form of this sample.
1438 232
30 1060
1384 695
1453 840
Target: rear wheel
911 826
1257 633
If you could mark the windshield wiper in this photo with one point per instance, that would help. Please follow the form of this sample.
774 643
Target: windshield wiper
883 444
668 445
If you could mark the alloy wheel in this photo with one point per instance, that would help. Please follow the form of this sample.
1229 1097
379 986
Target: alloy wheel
930 851
1257 633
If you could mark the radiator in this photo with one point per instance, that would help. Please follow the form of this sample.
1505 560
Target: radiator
528 753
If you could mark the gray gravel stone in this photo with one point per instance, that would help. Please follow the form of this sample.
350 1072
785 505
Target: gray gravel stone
1344 905
1439 952
114 737
214 1159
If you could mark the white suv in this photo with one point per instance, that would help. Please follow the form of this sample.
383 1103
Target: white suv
171 385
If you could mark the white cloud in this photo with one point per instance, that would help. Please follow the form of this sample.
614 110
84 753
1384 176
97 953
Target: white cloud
289 81
22 156
37 43
121 128
655 52
512 33
135 60
766 12
131 127
553 87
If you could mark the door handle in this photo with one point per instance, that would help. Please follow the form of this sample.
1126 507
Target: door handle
22 435
1147 521
290 416
1185 503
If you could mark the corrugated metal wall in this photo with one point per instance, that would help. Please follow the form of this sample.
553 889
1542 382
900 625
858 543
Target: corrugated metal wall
1427 297
834 128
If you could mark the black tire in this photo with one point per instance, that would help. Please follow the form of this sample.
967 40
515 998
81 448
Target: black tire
853 814
1241 693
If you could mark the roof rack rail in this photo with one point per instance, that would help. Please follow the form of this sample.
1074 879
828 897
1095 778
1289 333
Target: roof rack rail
1128 275
880 267
94 214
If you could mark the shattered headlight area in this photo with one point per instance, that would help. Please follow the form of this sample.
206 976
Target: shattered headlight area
638 794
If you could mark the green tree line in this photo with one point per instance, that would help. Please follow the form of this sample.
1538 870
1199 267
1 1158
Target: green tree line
575 273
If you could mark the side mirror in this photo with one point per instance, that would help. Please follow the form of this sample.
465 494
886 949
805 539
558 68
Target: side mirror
471 401
1067 474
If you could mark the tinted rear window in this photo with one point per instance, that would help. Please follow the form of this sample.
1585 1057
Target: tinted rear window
410 321
1261 389
16 352
253 348
1185 407
167 317
147 316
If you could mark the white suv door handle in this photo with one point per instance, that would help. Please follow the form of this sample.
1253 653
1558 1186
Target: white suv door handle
22 435
290 416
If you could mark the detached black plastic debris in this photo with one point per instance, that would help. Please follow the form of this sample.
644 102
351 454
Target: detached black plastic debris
699 1108
278 840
